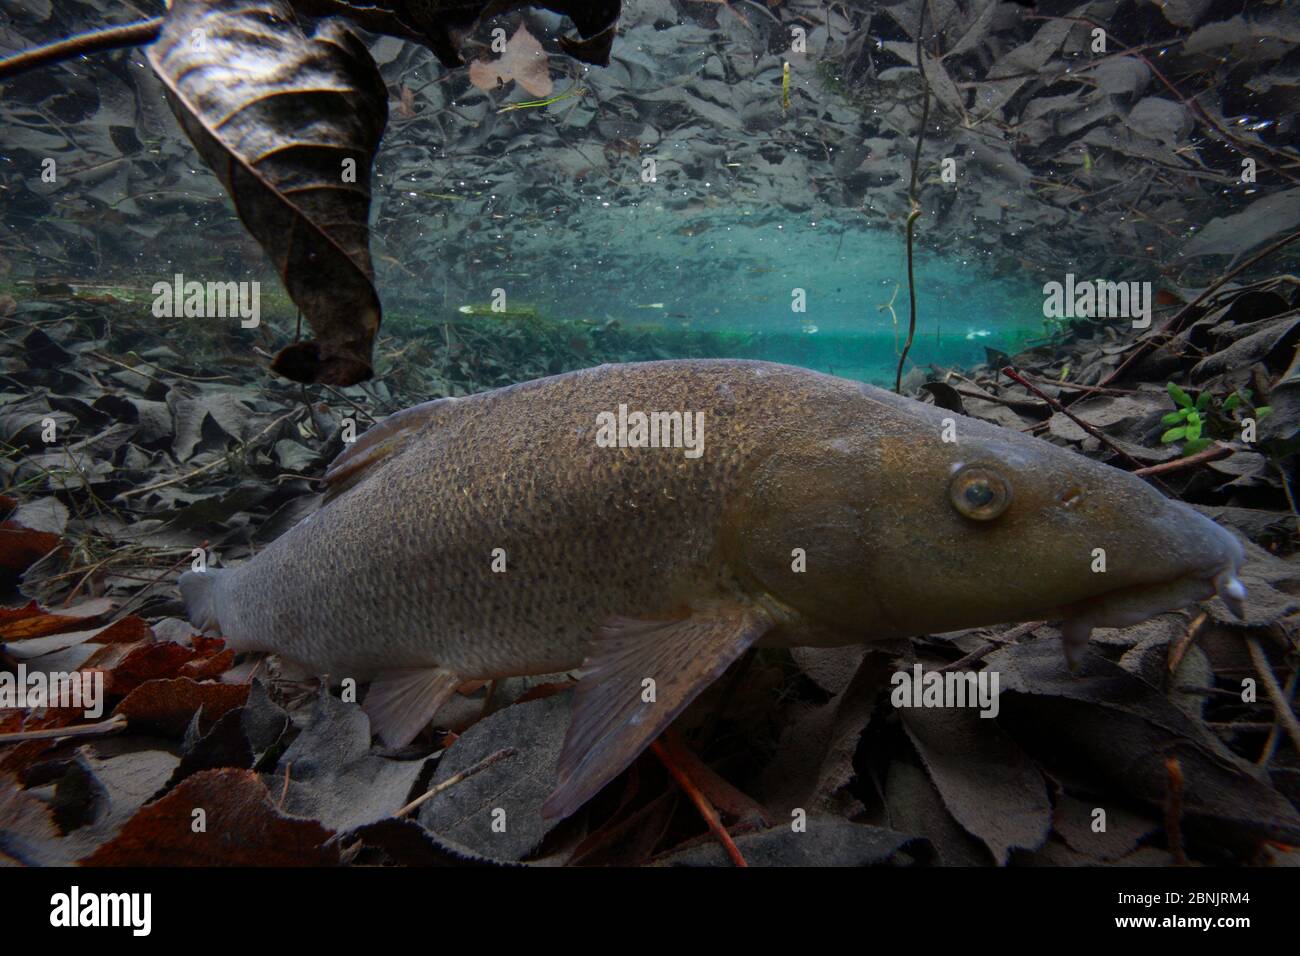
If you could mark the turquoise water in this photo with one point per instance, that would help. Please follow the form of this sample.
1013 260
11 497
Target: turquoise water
826 295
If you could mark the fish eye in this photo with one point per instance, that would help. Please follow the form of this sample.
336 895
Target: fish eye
979 493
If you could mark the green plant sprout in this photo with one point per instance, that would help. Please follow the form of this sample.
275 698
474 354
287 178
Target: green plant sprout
1198 423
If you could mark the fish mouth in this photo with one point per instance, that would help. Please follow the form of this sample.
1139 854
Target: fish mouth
1123 607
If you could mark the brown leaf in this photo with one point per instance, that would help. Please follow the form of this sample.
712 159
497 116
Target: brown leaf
279 115
17 624
140 663
169 704
523 61
21 547
241 828
208 668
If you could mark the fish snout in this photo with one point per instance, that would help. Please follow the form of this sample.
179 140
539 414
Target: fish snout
1218 556
1231 592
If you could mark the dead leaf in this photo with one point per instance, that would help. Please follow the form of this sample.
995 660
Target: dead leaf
241 827
17 624
523 61
167 705
229 94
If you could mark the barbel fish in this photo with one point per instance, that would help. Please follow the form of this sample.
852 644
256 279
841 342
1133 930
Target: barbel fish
651 522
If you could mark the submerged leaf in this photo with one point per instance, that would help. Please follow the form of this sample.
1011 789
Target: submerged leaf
523 61
241 828
290 124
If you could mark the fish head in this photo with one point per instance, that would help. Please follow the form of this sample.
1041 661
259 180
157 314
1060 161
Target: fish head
915 520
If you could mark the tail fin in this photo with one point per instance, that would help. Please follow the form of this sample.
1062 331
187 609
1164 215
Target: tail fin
198 589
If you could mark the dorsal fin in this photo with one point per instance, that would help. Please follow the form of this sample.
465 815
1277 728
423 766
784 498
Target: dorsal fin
379 443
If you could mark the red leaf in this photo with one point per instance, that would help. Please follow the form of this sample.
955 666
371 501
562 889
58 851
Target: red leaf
21 547
17 624
241 828
168 705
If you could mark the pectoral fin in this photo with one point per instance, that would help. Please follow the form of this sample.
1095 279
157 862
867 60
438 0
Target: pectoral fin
401 702
616 713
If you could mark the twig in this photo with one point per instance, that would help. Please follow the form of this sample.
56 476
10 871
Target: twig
451 781
1189 102
1015 376
1002 640
1179 650
110 726
113 38
209 466
701 802
284 791
1281 705
1213 453
130 606
1009 402
1174 810
1076 387
1275 728
912 198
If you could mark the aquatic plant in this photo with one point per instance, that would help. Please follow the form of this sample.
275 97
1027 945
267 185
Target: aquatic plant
1197 423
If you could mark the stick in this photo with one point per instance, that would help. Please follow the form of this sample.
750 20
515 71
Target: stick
284 791
1274 728
1281 706
208 467
113 38
1179 650
1213 453
701 802
1002 640
915 212
110 726
1009 402
1015 376
1076 387
451 781
1174 810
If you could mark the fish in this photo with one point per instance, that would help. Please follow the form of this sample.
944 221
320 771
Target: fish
500 534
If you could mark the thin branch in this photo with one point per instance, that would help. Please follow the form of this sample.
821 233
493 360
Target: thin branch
1281 704
701 802
179 479
451 781
915 211
1174 809
1213 453
1091 429
113 38
110 726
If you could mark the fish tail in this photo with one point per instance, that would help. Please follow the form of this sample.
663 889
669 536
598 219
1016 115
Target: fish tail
199 591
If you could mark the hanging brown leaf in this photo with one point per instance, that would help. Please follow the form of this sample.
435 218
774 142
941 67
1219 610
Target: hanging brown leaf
289 122
523 61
